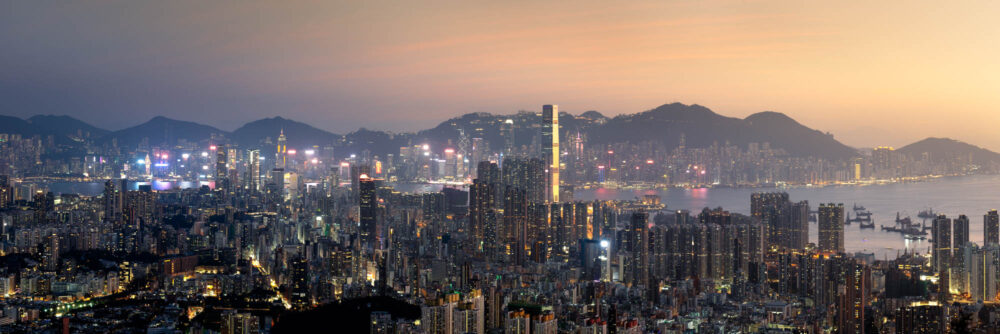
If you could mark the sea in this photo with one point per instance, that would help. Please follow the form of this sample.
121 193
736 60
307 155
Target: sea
954 195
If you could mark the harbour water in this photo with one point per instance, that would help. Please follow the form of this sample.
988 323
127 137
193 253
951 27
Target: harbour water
969 195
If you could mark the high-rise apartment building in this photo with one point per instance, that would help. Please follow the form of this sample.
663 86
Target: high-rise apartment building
991 228
831 227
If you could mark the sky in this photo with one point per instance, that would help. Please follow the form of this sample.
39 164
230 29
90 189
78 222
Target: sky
870 72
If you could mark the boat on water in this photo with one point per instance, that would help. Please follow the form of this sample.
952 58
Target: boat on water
869 224
861 217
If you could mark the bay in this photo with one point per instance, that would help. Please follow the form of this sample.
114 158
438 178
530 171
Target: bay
969 195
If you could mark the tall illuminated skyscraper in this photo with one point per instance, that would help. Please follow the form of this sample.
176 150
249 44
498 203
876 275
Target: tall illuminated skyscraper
281 154
831 227
507 130
253 170
221 171
550 149
368 212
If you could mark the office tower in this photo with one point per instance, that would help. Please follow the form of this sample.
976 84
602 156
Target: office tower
831 227
253 171
368 213
507 131
221 170
638 247
991 228
356 171
853 297
941 233
276 188
281 152
550 149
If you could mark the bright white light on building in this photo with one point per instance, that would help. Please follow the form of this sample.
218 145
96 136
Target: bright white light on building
185 156
605 244
204 154
310 152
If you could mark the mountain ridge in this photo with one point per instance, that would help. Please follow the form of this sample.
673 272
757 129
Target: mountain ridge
664 125
940 148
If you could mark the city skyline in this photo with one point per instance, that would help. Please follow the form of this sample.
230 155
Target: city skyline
852 70
518 167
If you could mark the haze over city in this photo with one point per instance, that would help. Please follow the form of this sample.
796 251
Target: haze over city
518 167
871 73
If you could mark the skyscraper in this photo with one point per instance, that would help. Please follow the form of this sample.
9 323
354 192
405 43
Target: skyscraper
368 212
991 228
507 131
941 233
515 218
550 149
281 154
983 272
111 211
6 192
221 170
482 202
853 297
831 227
253 171
639 248
959 269
798 236
961 228
787 223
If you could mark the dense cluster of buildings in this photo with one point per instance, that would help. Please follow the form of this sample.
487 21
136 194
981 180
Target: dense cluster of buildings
259 236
